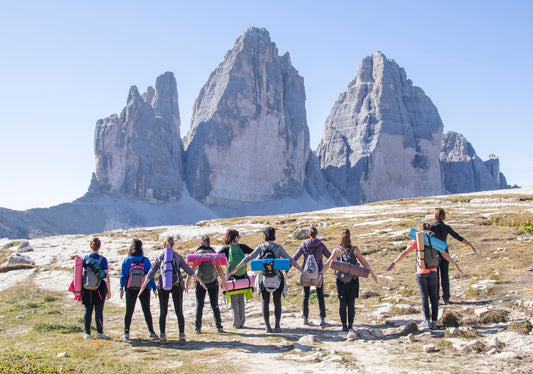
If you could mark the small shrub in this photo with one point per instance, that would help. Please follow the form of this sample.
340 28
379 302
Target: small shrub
449 319
57 327
493 316
528 226
445 343
521 327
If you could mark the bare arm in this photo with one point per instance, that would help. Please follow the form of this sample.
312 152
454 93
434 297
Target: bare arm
402 255
222 275
336 253
466 242
449 258
365 263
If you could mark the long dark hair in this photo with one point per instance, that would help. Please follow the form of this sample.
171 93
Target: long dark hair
136 248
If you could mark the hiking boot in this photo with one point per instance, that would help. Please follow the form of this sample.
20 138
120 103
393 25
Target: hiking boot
87 336
182 337
152 335
102 336
197 330
268 328
306 321
433 325
126 336
220 330
322 322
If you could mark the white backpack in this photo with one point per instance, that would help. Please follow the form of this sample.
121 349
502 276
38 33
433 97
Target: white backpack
310 268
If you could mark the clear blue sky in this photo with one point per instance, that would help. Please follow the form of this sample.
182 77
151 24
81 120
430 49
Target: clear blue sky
66 64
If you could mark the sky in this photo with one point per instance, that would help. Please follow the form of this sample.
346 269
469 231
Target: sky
66 64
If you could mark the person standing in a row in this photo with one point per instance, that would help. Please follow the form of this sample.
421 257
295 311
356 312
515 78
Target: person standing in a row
134 268
441 231
235 252
178 263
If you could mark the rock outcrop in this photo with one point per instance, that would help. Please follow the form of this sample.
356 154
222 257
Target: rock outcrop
464 171
382 137
140 152
249 139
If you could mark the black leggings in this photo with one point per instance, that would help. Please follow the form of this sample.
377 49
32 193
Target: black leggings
131 300
177 298
347 292
212 290
277 304
98 316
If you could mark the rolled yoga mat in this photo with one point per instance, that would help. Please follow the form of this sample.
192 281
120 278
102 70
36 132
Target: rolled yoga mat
279 264
239 284
346 267
168 269
215 258
438 244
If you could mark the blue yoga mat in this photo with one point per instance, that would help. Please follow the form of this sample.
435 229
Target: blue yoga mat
438 244
279 264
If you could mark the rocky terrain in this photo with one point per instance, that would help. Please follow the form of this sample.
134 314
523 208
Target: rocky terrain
487 329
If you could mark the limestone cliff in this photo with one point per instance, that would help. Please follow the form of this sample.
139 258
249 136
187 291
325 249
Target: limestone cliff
464 171
249 139
382 137
140 152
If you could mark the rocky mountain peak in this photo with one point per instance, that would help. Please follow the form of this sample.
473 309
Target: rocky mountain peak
139 153
382 137
249 128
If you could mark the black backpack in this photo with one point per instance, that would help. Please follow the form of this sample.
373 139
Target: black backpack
430 259
349 257
268 253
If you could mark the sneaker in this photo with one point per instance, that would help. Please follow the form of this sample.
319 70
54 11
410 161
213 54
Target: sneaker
197 330
87 336
277 329
345 328
153 335
268 328
220 330
322 322
163 337
433 325
424 325
126 336
306 321
182 337
102 336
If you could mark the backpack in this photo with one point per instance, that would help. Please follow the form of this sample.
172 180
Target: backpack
268 253
349 257
310 268
136 275
92 278
428 258
207 272
235 256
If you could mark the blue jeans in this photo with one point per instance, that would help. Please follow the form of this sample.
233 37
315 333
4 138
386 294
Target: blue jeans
428 285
